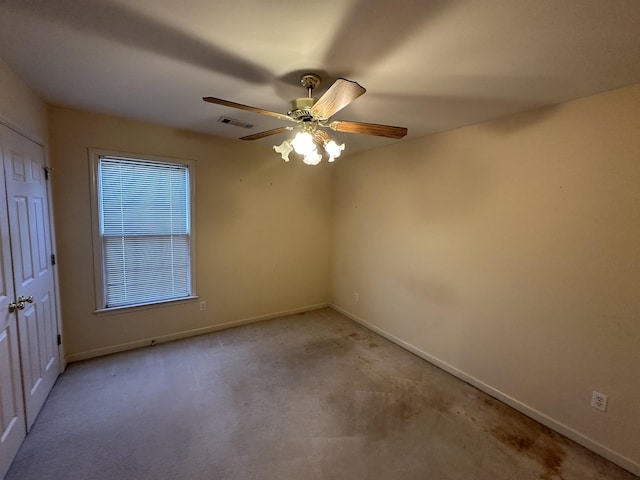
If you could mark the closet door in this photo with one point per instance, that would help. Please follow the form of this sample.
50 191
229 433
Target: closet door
12 420
28 209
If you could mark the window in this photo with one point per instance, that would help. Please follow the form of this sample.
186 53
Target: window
143 239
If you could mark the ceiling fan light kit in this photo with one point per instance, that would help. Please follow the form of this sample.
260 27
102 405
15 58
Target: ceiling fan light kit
312 116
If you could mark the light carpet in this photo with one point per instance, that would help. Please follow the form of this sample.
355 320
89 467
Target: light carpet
309 396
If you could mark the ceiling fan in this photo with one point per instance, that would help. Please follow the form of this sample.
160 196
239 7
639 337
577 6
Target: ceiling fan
313 116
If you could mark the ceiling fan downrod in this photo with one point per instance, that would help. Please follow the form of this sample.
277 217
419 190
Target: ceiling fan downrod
310 81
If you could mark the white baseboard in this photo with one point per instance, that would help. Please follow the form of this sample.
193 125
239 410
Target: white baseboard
540 417
145 342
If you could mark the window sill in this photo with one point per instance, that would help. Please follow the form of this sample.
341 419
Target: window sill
144 306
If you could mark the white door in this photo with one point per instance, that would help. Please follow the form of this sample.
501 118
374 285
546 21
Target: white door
32 270
12 421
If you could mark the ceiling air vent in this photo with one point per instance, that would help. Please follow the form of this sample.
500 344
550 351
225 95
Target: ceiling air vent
234 122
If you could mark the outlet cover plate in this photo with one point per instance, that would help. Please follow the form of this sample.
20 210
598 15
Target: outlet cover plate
599 401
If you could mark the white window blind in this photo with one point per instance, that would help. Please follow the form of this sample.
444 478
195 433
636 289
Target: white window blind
145 230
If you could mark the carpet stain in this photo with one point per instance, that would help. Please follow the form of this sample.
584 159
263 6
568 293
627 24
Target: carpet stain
405 409
519 434
409 398
537 446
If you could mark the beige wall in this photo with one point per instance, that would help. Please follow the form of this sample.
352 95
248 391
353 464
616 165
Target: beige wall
20 108
510 253
262 230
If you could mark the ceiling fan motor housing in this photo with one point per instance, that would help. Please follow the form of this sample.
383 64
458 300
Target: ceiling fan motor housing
300 109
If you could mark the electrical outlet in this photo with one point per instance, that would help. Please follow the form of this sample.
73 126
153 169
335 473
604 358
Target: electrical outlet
355 296
599 401
203 306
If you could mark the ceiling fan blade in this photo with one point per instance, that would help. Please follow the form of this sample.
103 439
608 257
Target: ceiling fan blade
227 103
368 129
321 137
339 95
267 133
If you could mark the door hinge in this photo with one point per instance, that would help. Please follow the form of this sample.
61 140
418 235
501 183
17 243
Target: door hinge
46 173
53 259
59 339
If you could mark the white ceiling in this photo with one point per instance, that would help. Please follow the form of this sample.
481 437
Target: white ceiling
429 66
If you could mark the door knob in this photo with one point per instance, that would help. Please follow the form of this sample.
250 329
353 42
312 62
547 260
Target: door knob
19 304
13 306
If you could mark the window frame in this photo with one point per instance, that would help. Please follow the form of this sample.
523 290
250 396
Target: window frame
98 255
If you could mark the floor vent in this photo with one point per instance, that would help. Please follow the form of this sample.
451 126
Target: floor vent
234 122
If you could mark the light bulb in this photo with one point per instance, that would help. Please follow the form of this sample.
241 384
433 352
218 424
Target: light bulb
303 143
284 149
333 150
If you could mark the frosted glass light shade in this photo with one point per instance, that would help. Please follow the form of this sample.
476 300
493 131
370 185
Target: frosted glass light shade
312 158
333 150
284 149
